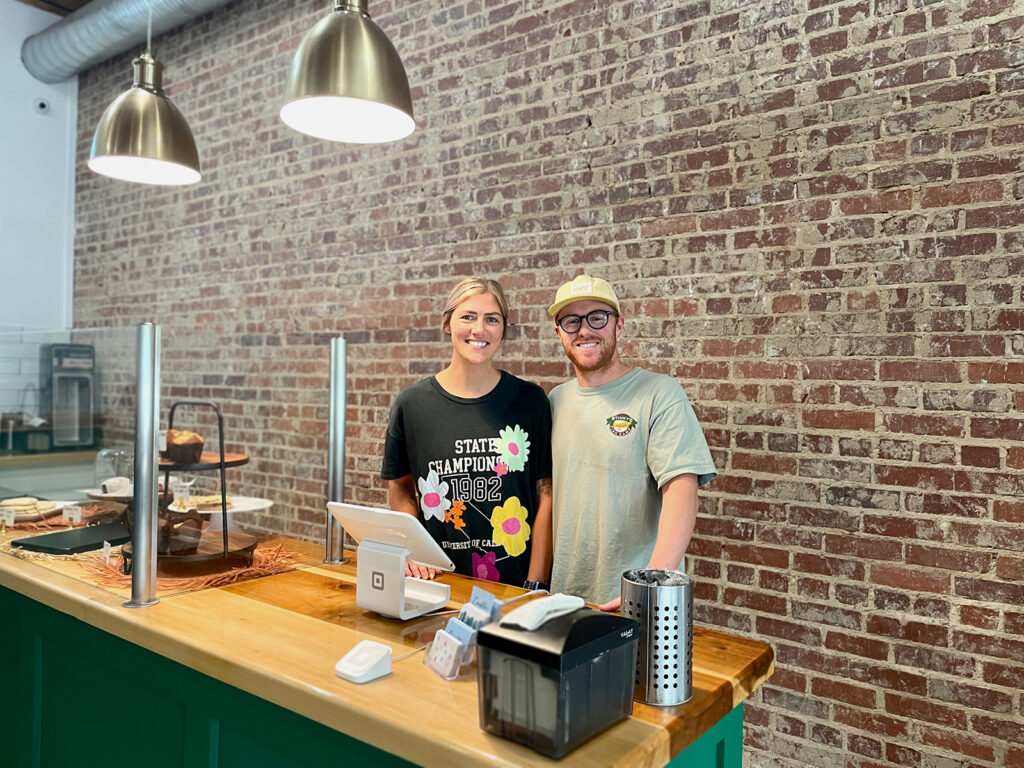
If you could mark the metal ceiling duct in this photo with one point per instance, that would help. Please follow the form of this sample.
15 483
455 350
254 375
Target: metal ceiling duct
100 30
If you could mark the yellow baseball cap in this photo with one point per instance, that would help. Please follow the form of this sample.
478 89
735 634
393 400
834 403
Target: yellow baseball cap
583 287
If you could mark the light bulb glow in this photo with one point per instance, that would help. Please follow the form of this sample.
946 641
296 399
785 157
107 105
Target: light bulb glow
347 119
144 170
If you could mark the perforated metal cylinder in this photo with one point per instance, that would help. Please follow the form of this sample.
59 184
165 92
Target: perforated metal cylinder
664 664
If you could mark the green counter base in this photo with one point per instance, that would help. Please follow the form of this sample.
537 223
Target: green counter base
75 695
720 747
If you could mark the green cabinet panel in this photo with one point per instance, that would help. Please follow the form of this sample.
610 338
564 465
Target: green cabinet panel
89 700
77 696
720 747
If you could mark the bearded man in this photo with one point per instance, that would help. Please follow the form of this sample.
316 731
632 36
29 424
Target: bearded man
628 455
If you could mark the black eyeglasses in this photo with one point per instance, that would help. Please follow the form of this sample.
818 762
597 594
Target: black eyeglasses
597 320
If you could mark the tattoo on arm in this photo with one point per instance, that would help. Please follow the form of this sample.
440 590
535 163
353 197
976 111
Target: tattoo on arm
544 487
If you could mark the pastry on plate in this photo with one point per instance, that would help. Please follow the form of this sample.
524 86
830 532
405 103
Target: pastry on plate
120 486
211 503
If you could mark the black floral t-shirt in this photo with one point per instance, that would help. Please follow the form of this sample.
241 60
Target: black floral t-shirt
475 464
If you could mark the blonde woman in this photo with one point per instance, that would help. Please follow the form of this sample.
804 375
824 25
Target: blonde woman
468 450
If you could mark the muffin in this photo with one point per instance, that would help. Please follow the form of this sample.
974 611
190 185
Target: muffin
183 447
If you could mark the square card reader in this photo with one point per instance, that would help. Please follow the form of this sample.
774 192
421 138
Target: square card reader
387 539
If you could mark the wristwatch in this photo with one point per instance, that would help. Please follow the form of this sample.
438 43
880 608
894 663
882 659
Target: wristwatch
537 585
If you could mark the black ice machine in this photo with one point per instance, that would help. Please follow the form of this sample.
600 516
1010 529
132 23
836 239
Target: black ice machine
67 389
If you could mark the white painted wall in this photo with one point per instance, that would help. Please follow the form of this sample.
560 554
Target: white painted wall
37 183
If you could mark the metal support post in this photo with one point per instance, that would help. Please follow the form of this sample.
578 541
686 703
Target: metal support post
147 420
336 451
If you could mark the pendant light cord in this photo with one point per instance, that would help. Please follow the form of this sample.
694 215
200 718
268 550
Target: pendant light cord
149 26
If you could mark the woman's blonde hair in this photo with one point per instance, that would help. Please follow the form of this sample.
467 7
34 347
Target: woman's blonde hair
470 287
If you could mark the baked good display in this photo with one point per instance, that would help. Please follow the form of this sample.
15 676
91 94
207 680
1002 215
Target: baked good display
179 532
23 506
184 447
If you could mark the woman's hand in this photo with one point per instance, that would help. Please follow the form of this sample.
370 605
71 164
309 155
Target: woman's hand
420 571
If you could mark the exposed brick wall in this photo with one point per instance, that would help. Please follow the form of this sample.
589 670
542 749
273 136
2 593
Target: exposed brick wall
813 212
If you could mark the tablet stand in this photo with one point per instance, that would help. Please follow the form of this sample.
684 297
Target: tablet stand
382 586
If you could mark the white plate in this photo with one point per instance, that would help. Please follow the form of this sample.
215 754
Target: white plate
98 495
238 504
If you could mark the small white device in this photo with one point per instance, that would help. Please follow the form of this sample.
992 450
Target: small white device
536 612
386 540
367 661
445 655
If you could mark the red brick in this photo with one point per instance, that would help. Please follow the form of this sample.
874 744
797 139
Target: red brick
773 558
829 566
948 559
996 216
912 579
920 709
885 202
911 631
863 547
841 420
788 630
990 590
1009 567
836 370
944 426
958 741
874 723
764 463
979 616
980 456
860 646
854 695
756 601
997 429
962 194
961 506
1008 729
914 174
916 477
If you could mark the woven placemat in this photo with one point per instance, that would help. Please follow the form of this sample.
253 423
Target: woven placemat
94 568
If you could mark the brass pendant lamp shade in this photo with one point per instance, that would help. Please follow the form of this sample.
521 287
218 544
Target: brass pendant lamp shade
347 82
142 137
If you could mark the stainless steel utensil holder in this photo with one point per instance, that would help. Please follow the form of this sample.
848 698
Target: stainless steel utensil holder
664 664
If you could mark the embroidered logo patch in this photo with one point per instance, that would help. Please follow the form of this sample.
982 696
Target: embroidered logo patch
621 424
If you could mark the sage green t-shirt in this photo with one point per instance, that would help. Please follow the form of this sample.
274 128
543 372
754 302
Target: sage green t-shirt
613 447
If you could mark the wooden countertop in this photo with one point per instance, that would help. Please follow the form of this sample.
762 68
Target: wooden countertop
278 637
11 460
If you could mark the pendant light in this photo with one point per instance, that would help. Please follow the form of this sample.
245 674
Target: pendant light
142 137
347 82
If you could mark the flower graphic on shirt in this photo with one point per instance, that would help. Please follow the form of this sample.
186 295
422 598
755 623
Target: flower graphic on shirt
509 526
514 447
454 515
433 496
500 469
484 567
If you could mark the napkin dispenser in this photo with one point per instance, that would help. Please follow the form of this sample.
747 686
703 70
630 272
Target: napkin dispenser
554 687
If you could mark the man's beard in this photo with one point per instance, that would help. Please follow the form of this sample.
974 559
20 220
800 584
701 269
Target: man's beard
602 361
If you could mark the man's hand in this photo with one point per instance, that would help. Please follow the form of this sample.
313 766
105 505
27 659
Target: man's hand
611 605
